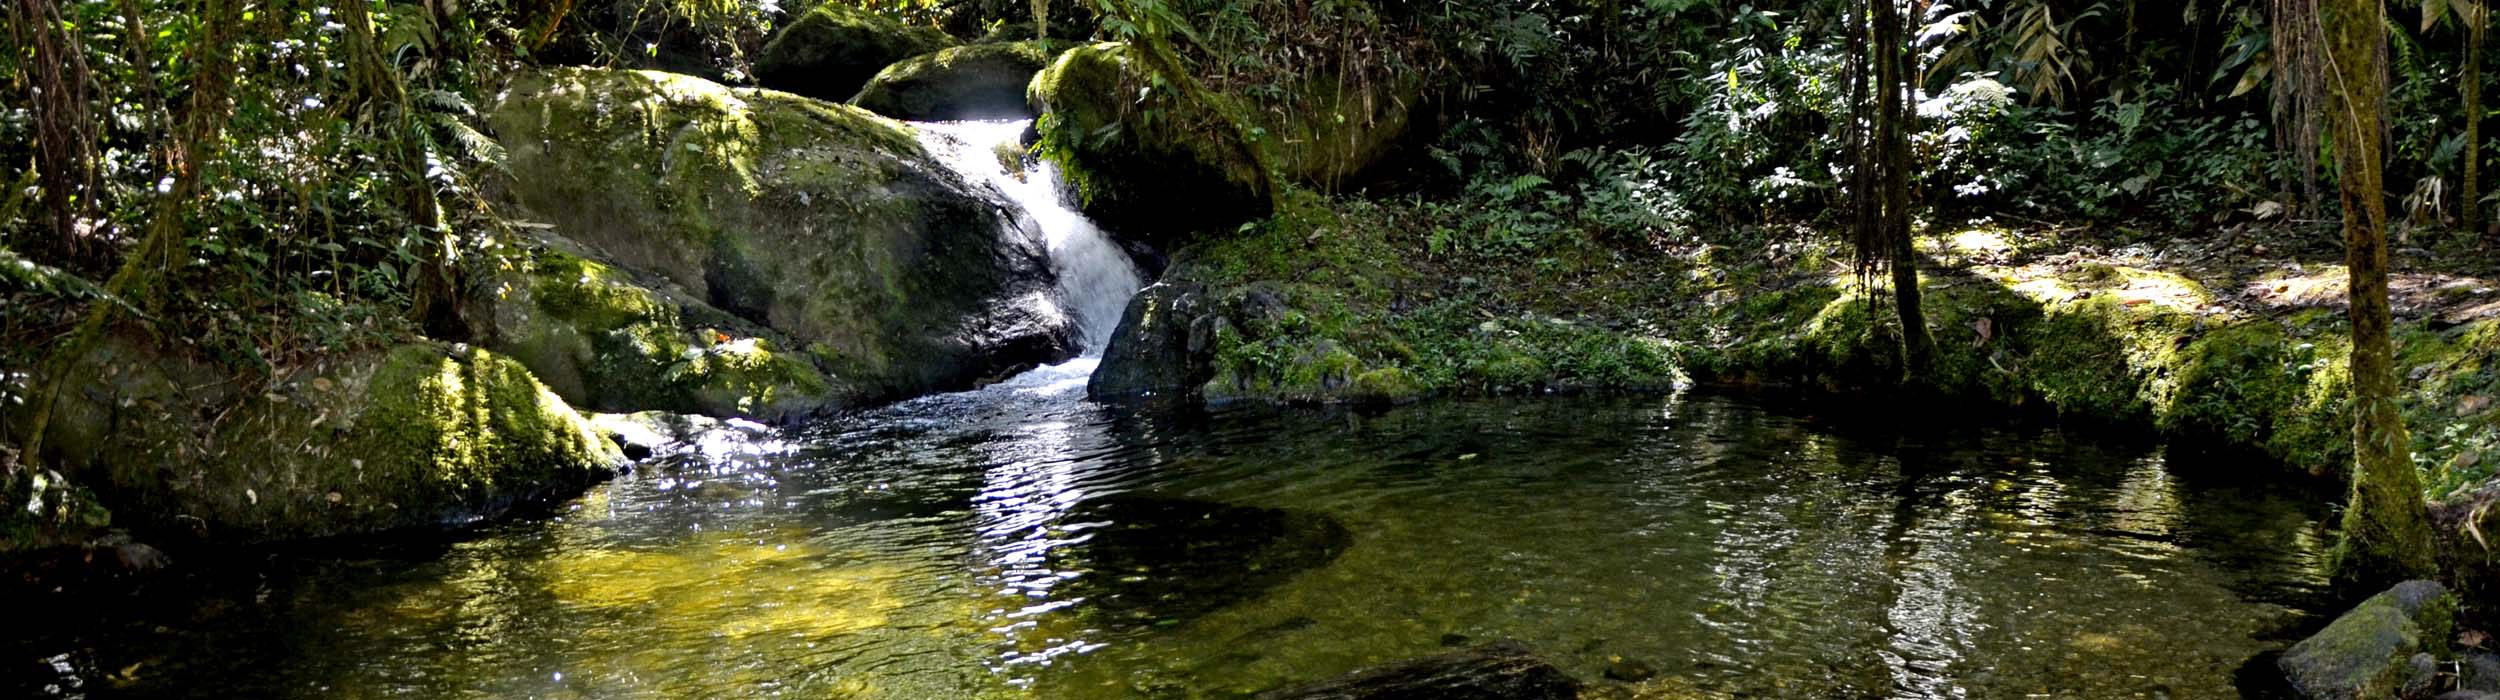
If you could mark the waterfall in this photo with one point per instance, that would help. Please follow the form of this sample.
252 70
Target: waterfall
1096 278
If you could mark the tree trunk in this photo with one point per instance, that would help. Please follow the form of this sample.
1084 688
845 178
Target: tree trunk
2474 117
1893 114
2386 535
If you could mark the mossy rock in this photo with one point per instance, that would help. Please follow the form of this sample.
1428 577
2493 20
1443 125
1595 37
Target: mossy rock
827 225
831 51
606 343
985 81
1158 179
418 435
2366 653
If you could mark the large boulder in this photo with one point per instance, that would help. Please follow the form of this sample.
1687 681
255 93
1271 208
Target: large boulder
1497 671
834 49
1152 179
985 81
2369 653
341 442
826 225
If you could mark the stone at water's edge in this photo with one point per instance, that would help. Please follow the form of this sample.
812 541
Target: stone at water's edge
794 256
2369 652
835 48
1497 671
985 81
1160 348
419 435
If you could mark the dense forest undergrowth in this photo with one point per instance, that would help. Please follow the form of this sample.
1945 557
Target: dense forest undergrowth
431 236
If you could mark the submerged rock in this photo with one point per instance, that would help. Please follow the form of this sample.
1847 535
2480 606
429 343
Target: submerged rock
1497 671
1149 560
418 435
832 260
834 49
2370 652
985 81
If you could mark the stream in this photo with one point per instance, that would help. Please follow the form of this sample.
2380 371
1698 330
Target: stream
1018 541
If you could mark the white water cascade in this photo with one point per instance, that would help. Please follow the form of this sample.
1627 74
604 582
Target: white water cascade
1095 276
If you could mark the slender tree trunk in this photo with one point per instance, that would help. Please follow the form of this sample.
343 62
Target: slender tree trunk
2386 535
1041 20
2474 117
1885 232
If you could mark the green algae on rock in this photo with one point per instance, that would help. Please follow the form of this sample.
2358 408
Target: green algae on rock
820 222
835 48
418 435
983 81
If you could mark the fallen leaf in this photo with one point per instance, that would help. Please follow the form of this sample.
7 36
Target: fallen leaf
2472 404
2472 638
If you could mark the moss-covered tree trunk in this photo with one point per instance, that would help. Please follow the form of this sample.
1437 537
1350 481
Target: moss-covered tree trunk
1879 158
2387 535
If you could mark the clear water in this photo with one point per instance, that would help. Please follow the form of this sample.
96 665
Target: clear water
1018 542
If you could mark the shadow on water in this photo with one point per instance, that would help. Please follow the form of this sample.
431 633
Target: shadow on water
1020 542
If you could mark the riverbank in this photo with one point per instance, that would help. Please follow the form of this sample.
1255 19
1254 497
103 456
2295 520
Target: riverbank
2234 342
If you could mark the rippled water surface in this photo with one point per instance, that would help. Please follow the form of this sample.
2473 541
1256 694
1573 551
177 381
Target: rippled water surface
1016 542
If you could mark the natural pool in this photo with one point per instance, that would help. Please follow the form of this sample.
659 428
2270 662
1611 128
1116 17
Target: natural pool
1019 542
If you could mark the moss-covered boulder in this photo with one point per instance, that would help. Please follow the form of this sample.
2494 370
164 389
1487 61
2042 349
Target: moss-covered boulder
2368 652
826 225
1154 178
985 81
606 342
834 49
417 435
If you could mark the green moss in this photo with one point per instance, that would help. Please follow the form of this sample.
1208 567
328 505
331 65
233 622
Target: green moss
446 432
1385 385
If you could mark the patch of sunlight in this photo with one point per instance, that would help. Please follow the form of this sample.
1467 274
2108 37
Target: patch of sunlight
2324 286
734 584
1975 244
